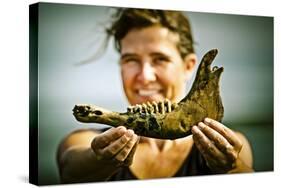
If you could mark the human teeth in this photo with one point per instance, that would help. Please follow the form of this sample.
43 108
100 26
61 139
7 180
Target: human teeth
147 92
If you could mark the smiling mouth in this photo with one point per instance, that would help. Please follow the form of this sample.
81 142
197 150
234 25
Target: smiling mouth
148 92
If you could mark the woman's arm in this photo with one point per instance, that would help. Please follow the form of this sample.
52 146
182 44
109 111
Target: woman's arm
244 162
85 155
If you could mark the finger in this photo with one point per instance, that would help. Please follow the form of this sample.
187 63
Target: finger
222 144
205 146
128 161
108 136
123 154
227 133
116 146
214 136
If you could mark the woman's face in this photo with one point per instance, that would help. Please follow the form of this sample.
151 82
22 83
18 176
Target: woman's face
151 66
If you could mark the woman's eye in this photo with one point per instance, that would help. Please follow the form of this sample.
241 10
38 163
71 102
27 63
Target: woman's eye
160 60
130 61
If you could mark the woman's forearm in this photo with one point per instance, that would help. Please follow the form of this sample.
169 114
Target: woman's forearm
79 164
241 167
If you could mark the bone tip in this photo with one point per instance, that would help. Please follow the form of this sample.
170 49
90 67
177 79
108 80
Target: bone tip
220 70
214 51
74 108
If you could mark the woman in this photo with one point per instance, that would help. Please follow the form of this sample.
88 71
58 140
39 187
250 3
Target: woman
157 59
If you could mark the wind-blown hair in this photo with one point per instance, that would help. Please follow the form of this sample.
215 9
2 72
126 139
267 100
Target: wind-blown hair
127 19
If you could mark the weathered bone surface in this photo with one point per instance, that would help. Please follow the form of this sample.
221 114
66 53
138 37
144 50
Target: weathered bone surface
164 119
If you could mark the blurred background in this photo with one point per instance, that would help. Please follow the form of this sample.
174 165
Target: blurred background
71 34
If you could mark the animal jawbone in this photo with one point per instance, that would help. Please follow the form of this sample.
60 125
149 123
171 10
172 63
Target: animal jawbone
167 120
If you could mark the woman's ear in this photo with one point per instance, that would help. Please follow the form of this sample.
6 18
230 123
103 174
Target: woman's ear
189 64
190 61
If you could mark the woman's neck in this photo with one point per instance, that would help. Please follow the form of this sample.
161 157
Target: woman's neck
157 145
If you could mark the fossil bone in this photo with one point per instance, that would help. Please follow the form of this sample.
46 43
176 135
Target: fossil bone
164 119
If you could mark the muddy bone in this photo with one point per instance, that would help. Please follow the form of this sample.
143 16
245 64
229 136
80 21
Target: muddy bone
167 120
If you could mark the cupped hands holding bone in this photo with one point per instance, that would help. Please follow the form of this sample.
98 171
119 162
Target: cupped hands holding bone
219 145
115 146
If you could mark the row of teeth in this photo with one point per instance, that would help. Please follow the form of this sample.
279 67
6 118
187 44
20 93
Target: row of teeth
162 107
147 92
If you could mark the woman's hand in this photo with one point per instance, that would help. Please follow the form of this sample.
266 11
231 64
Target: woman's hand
115 146
219 145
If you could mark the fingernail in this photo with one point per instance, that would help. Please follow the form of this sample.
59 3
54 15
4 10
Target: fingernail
121 129
207 120
129 133
194 129
201 125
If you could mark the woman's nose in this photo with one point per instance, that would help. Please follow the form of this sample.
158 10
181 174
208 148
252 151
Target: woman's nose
147 73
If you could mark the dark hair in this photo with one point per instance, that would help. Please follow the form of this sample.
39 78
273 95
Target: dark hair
126 19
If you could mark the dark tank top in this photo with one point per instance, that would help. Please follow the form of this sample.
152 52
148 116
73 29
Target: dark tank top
193 165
